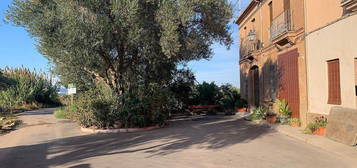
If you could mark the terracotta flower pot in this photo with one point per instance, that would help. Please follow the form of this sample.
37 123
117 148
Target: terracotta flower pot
272 119
242 110
320 131
295 124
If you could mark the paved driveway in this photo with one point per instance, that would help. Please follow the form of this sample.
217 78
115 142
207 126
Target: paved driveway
44 141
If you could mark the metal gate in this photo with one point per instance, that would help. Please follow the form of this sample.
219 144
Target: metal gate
289 81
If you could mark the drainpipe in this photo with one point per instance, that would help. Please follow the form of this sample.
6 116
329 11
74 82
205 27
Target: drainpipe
306 62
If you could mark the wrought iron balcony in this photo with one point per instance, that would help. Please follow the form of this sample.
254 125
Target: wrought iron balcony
345 1
249 45
349 5
281 24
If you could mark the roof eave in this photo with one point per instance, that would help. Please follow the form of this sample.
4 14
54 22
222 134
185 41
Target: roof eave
246 11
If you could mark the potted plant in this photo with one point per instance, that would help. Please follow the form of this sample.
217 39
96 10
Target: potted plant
271 118
242 110
317 127
310 128
295 122
284 111
321 123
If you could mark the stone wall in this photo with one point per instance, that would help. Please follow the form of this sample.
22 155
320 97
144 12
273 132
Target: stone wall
342 125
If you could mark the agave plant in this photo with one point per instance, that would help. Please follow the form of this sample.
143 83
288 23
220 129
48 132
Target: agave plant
260 113
284 109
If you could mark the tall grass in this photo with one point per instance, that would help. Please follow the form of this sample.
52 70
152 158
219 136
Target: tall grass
20 86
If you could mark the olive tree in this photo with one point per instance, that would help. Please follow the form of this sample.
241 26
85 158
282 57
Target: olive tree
126 44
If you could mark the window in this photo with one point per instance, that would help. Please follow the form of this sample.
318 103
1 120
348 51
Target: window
253 25
286 5
334 89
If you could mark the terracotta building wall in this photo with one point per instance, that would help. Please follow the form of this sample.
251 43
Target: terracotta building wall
265 23
321 12
297 7
267 57
261 14
248 25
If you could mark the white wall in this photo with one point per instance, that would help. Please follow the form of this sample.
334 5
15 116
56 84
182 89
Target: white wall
338 40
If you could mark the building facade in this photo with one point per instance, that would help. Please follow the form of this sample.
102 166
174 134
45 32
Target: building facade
300 51
272 54
331 55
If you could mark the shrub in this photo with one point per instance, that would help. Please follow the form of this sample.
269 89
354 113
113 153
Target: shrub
20 86
144 105
181 87
226 96
241 103
132 113
207 94
99 108
284 109
93 108
229 97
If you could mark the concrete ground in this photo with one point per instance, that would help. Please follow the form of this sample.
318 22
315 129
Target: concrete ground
213 142
347 152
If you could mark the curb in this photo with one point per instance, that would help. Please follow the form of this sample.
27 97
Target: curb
306 140
122 130
287 133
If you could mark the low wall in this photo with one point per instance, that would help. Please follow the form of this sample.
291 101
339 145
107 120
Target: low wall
342 125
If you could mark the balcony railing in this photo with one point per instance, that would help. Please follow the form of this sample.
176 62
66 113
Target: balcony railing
345 1
281 24
247 46
349 5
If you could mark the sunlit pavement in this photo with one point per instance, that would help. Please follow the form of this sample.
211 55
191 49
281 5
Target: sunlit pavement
212 142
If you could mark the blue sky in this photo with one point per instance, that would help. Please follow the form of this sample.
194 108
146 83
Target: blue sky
17 49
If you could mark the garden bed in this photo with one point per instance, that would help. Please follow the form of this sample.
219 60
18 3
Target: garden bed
123 130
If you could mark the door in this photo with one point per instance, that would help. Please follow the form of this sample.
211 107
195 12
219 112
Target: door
289 81
254 85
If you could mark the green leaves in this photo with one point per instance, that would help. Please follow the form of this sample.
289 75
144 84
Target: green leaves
117 35
26 87
284 108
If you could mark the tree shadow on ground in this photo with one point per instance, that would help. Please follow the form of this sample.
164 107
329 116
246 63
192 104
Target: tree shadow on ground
208 133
